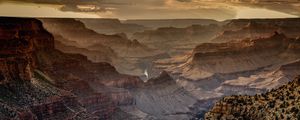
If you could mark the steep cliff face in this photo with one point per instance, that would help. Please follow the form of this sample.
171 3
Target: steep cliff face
279 103
26 94
17 45
34 83
247 55
252 30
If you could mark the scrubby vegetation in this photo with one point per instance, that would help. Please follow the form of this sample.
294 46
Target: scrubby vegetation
282 103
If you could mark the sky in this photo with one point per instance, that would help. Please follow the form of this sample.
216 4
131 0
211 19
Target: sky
152 9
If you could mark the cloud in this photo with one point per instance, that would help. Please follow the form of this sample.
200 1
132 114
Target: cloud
159 9
286 6
184 0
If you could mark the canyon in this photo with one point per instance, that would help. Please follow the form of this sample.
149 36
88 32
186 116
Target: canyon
65 68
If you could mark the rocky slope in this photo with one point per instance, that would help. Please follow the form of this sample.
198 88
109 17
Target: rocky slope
281 103
37 86
26 94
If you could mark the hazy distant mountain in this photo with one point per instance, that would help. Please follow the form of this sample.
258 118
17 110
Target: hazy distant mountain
116 47
179 23
112 26
170 38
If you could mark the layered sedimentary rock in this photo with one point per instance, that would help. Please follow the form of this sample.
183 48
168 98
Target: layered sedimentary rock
252 30
289 26
170 38
239 67
278 103
115 49
35 76
103 54
26 94
246 55
69 29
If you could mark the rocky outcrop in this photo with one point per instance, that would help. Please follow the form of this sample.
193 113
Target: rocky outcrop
252 30
34 83
246 55
276 104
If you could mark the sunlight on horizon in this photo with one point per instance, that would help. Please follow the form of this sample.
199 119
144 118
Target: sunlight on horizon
12 9
247 12
34 10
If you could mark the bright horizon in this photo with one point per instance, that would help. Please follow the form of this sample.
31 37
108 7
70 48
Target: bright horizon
15 9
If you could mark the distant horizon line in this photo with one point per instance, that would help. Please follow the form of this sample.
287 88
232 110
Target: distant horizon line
149 19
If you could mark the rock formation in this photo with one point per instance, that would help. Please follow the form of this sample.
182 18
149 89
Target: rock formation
252 30
247 55
177 39
117 49
40 82
281 103
26 94
68 28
